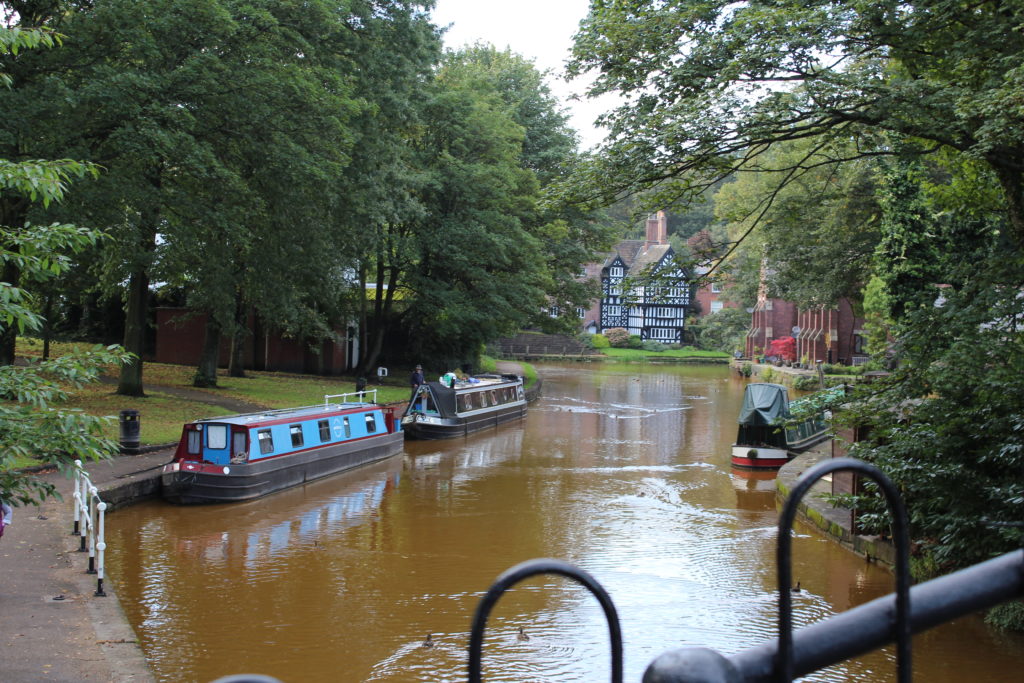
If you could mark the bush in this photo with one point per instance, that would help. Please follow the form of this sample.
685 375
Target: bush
806 383
599 341
618 337
830 369
634 342
1009 616
651 345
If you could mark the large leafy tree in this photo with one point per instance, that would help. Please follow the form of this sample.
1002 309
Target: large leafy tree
220 149
816 234
32 423
710 86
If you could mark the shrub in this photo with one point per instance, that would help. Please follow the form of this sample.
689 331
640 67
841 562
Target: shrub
1009 616
634 342
599 341
805 383
618 337
651 345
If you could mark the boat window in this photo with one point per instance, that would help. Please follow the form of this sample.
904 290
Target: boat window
519 391
325 430
266 441
217 436
348 427
494 397
465 402
195 441
296 432
483 399
371 423
238 444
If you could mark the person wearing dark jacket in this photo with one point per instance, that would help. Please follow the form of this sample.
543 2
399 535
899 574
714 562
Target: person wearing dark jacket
416 380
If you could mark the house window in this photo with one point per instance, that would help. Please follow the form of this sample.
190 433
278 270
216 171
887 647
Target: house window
554 312
616 271
716 306
325 430
716 287
580 312
217 436
859 344
266 441
371 423
296 432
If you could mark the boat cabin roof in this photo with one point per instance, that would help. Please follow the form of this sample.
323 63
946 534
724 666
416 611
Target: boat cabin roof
271 417
764 403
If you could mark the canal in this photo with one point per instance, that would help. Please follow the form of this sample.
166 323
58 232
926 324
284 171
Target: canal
622 470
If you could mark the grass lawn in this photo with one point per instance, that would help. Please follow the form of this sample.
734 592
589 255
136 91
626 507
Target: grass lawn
161 415
686 352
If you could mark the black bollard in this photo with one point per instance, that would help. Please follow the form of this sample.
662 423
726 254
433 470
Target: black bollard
130 432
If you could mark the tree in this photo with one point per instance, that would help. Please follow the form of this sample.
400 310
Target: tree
219 149
31 423
816 235
709 87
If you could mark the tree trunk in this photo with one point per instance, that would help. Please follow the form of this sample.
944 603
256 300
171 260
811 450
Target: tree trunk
206 372
130 382
1012 182
9 333
236 363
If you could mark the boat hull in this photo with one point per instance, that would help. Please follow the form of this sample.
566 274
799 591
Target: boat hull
189 483
758 457
426 427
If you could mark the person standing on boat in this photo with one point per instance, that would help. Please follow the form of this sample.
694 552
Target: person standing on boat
416 380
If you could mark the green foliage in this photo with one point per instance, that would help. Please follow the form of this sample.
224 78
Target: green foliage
618 337
725 330
599 341
817 234
651 345
805 382
33 424
700 86
1009 616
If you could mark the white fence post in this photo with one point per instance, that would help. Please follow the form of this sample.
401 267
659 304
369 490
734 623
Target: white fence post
89 517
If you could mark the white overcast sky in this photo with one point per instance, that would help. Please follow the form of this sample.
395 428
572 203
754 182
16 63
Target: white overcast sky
540 30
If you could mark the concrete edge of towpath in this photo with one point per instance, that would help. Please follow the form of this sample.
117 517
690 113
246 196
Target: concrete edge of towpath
815 509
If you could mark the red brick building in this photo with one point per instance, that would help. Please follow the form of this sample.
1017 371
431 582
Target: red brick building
831 335
179 340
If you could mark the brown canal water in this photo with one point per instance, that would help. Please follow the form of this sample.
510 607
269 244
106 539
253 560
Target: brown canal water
621 470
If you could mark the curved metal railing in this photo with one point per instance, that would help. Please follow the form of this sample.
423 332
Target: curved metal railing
523 571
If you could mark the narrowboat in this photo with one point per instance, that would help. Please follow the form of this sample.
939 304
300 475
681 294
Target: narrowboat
242 457
767 439
437 411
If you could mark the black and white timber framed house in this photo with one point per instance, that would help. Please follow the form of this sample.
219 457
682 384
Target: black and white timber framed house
642 288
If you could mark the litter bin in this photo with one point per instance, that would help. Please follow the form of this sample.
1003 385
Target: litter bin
129 431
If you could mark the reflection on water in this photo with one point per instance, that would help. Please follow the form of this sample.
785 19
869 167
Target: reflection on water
622 470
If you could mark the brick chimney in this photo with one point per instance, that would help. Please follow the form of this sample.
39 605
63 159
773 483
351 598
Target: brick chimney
657 230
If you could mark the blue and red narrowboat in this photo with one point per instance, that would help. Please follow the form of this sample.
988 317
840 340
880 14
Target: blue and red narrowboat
242 457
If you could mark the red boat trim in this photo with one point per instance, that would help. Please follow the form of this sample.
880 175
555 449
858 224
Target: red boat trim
759 463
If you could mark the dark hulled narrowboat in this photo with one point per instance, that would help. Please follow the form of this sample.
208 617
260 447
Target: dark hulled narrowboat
767 437
437 411
242 457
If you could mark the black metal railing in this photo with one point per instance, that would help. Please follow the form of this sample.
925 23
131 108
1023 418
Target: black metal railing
893 618
534 568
